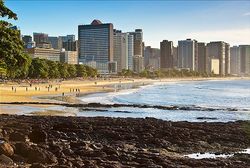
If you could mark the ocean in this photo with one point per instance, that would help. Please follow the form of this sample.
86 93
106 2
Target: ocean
196 101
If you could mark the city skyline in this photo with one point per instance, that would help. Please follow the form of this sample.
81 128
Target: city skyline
211 21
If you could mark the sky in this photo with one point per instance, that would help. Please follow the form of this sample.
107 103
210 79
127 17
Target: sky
204 21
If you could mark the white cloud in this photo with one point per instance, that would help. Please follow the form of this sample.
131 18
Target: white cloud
246 14
232 36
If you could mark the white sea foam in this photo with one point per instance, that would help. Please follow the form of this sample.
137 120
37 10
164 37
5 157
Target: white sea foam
213 156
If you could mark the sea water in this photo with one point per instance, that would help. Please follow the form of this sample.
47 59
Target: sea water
219 95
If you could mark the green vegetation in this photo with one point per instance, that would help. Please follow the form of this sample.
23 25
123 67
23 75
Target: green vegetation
46 69
172 73
14 62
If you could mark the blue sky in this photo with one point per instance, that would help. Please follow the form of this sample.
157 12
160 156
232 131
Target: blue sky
171 20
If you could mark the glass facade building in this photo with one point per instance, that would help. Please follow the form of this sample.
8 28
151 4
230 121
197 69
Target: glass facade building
96 45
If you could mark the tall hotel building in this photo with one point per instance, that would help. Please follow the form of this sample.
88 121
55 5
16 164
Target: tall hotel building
235 60
96 46
187 54
202 59
167 55
245 59
219 50
121 50
138 60
152 58
40 38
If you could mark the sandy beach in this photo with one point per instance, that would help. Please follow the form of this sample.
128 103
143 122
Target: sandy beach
26 93
40 93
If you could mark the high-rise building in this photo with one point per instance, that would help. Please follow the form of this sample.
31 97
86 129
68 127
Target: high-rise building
121 50
245 59
70 45
70 57
219 50
26 39
235 60
138 41
96 45
138 50
138 63
167 55
151 58
54 42
227 59
202 59
40 38
214 66
130 51
187 54
147 54
175 57
67 42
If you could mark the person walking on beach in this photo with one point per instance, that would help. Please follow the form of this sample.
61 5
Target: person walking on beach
12 88
15 90
26 89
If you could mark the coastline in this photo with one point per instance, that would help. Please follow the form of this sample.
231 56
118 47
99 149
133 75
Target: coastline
46 138
87 87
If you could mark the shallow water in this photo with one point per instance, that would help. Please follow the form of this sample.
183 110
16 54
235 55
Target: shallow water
221 96
213 156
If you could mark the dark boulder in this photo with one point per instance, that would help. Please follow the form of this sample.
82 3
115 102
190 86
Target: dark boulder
6 148
16 136
38 136
5 160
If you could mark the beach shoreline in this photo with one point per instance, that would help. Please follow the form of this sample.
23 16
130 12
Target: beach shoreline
86 87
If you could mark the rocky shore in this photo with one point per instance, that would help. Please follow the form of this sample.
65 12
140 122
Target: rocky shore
37 142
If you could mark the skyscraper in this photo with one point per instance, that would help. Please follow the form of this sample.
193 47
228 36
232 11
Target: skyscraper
245 59
67 42
121 50
219 50
54 42
138 40
70 45
175 57
227 59
235 60
130 51
167 59
138 60
202 59
96 45
40 38
187 54
152 58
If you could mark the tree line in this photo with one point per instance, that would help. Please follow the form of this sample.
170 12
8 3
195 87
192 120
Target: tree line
173 73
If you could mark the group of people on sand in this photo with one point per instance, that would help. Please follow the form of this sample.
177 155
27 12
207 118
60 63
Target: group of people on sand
77 90
49 88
